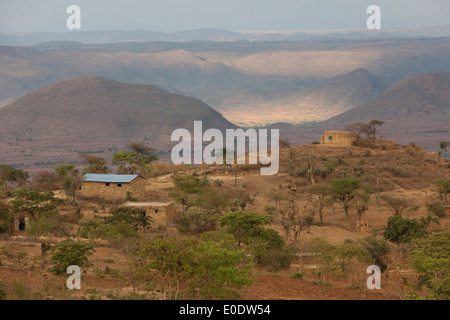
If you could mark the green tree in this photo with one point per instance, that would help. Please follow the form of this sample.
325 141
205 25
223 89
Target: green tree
323 193
63 170
345 190
378 249
349 252
241 201
431 258
187 190
397 204
443 188
136 218
10 174
436 209
324 254
276 196
403 230
70 253
94 164
5 217
244 225
443 145
198 220
374 125
147 153
216 272
206 268
34 203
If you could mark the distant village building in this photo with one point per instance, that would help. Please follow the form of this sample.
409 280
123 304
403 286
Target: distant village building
20 223
335 137
112 185
447 210
161 213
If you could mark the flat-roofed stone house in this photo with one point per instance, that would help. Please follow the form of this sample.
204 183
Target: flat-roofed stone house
162 213
336 137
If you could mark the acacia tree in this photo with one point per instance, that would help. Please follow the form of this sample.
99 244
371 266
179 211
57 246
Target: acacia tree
443 145
34 203
345 190
71 253
95 164
10 174
187 191
71 180
244 224
443 188
323 193
286 144
137 160
397 204
374 125
359 128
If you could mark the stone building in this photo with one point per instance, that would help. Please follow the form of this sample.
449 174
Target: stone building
162 213
112 185
335 137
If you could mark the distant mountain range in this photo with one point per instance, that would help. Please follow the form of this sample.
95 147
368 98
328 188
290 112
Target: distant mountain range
221 35
95 115
250 83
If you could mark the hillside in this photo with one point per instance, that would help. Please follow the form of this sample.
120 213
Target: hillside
90 106
415 110
424 98
407 173
264 80
100 113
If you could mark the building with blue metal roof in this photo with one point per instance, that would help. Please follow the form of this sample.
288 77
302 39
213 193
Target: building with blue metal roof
113 186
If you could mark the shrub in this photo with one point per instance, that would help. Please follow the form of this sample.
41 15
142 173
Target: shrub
88 227
403 230
5 217
132 216
71 253
198 220
431 258
378 249
277 259
298 275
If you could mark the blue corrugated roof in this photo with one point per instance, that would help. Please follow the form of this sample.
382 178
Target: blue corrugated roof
110 178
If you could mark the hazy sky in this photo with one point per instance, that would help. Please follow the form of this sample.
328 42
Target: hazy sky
236 15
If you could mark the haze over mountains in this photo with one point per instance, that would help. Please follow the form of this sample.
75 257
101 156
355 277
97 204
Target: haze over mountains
424 98
416 109
51 111
250 83
218 35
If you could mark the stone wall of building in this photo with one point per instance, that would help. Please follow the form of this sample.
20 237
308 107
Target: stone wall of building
114 190
161 213
334 137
